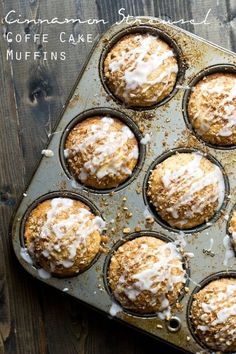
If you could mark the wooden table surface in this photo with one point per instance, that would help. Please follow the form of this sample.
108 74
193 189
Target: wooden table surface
33 317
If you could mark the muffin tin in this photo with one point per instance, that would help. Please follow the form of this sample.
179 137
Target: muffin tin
169 129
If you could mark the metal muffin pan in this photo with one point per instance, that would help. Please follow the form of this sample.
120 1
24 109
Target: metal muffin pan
166 124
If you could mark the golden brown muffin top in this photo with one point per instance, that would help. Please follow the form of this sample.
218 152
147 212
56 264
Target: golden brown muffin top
101 150
213 314
136 64
59 227
212 108
184 186
146 274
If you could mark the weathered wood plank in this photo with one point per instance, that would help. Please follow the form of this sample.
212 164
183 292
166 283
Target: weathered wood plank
5 321
231 22
41 86
22 296
218 31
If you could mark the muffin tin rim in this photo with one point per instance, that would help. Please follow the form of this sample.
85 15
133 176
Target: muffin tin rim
143 28
59 194
131 236
209 70
103 112
151 208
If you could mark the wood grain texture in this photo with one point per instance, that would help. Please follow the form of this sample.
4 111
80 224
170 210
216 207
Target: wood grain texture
34 318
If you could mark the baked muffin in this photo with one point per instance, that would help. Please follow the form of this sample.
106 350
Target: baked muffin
146 275
213 315
212 109
101 152
141 69
232 229
63 236
186 189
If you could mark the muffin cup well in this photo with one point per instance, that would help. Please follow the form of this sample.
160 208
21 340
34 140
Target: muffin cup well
58 194
143 29
214 69
152 209
122 241
103 112
201 285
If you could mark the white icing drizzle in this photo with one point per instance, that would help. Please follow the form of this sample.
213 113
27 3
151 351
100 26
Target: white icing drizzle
217 315
225 111
229 252
66 153
140 64
211 245
180 239
147 214
44 274
226 217
115 309
70 231
74 184
191 178
156 277
203 328
184 87
47 153
25 255
224 314
223 304
108 148
189 254
194 282
145 139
